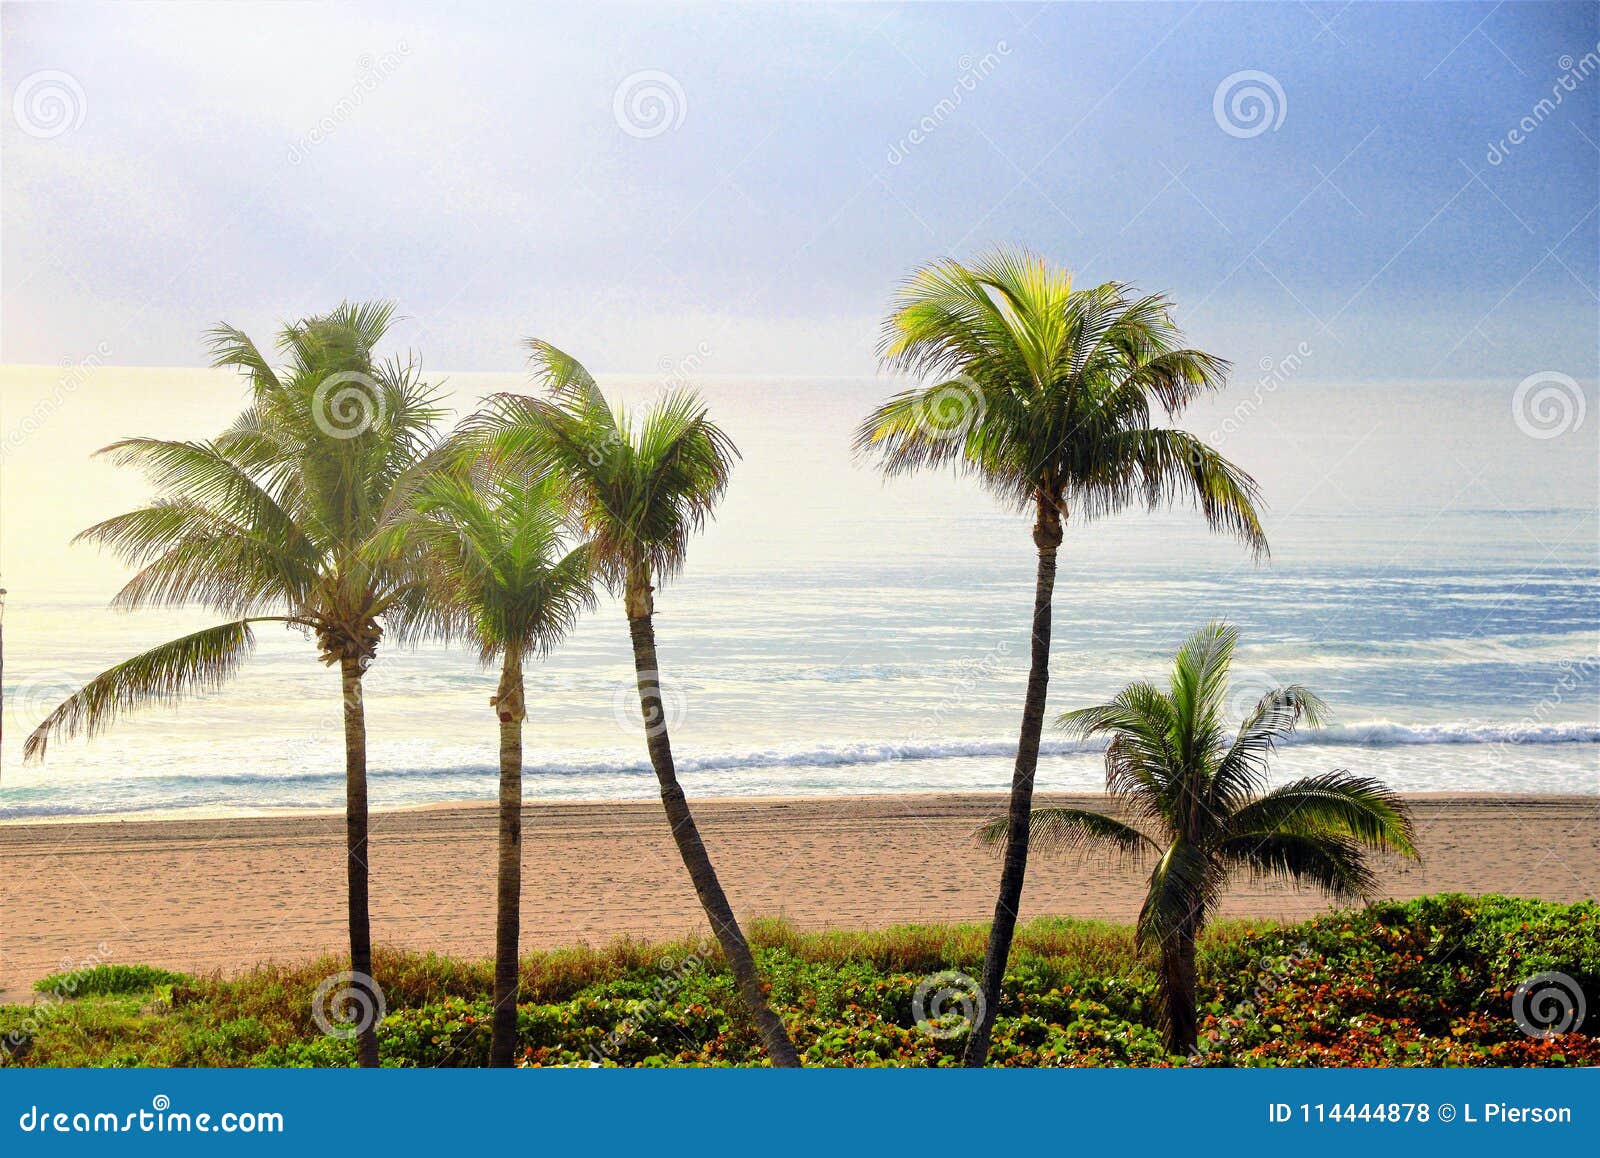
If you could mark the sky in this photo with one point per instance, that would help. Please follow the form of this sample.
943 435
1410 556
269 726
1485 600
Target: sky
746 184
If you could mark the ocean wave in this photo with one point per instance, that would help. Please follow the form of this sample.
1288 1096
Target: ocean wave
1382 733
444 764
400 778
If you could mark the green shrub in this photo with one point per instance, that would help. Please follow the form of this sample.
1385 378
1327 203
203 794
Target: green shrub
1423 982
108 980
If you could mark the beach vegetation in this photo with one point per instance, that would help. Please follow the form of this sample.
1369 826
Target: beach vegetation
1197 807
1425 982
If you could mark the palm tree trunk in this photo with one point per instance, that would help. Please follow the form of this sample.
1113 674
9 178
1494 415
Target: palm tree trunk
687 835
1047 538
1179 1021
355 829
508 911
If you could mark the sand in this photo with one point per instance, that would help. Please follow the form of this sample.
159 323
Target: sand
219 894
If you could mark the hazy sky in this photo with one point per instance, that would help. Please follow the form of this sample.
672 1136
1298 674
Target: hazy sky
638 183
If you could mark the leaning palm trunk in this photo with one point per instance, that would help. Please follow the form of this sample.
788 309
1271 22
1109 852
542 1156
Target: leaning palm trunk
508 918
687 835
1047 537
355 822
639 489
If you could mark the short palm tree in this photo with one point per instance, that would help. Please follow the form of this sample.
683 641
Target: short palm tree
1046 395
282 519
1203 812
639 486
503 572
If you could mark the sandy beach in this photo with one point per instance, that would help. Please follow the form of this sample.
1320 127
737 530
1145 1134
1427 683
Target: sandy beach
219 894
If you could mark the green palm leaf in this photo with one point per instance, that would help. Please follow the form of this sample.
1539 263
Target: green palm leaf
1182 891
1074 830
640 485
1059 385
202 661
1333 803
503 569
1243 771
1336 865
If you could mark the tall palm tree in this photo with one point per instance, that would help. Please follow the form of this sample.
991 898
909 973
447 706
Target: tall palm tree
1204 812
1046 395
640 486
504 572
282 519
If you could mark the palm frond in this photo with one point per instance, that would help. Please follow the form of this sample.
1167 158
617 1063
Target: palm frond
1336 803
193 663
1142 760
232 348
1074 830
559 372
1160 466
501 565
1198 689
1243 770
640 485
1183 890
1334 864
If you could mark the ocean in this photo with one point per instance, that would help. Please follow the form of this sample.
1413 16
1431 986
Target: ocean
1433 576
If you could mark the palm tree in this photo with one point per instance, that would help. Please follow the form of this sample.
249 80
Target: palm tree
282 519
504 572
640 486
1045 394
1205 813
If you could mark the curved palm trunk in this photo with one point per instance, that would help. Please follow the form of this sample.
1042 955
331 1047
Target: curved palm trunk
1047 538
1179 1022
687 835
508 911
355 830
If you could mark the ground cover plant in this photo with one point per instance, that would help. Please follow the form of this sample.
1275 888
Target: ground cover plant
1428 982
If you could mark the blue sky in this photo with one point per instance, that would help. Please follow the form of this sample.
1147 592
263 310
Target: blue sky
249 163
